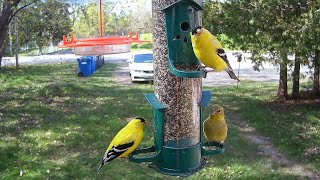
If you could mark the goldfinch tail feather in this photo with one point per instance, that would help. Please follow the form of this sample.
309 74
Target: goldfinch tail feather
99 168
232 75
113 153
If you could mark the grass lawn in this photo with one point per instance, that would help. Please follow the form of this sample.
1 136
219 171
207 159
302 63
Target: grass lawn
146 36
143 46
56 125
293 126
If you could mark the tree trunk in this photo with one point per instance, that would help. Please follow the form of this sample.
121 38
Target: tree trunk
296 77
316 74
3 34
5 15
0 59
10 40
182 95
283 86
40 51
16 41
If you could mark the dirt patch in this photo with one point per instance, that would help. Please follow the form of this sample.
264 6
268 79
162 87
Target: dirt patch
121 74
266 148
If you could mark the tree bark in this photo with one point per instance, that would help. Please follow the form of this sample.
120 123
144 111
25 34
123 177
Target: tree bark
283 86
316 74
181 95
5 17
16 41
40 51
0 59
296 77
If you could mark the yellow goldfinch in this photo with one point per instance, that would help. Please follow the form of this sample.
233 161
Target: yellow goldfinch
215 127
126 141
210 52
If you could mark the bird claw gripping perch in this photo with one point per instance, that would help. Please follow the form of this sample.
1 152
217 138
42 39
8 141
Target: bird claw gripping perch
203 68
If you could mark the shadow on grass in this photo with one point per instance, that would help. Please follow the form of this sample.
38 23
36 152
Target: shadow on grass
57 126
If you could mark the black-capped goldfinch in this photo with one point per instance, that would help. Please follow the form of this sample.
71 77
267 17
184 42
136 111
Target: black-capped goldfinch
210 52
125 142
215 127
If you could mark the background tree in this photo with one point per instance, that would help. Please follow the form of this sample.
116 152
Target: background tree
87 25
39 22
9 8
117 24
271 30
311 36
44 23
118 19
141 17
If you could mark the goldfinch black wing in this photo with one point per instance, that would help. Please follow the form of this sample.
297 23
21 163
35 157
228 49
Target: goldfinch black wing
221 53
116 151
229 70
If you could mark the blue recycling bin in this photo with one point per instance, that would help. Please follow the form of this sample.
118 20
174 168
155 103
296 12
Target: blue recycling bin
94 63
85 66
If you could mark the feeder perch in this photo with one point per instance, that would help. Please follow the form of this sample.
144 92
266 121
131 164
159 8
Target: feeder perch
180 18
168 158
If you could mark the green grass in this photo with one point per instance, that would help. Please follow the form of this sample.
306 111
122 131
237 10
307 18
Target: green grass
143 46
147 36
56 125
293 126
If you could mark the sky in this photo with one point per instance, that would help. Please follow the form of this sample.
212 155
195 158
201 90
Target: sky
120 5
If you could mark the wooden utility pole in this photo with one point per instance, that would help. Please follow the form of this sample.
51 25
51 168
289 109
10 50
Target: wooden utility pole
181 95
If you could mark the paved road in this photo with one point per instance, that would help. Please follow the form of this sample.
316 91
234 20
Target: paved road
62 56
268 74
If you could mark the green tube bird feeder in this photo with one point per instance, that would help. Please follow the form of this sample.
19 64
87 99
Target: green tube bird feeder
182 155
168 158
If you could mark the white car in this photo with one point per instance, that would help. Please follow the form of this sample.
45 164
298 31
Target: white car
141 66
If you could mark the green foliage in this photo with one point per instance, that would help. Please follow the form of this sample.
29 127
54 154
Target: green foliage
56 125
40 23
117 24
137 19
143 46
141 17
271 30
146 36
211 16
227 42
264 26
87 22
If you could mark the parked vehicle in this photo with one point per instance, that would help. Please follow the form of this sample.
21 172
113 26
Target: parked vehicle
141 66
